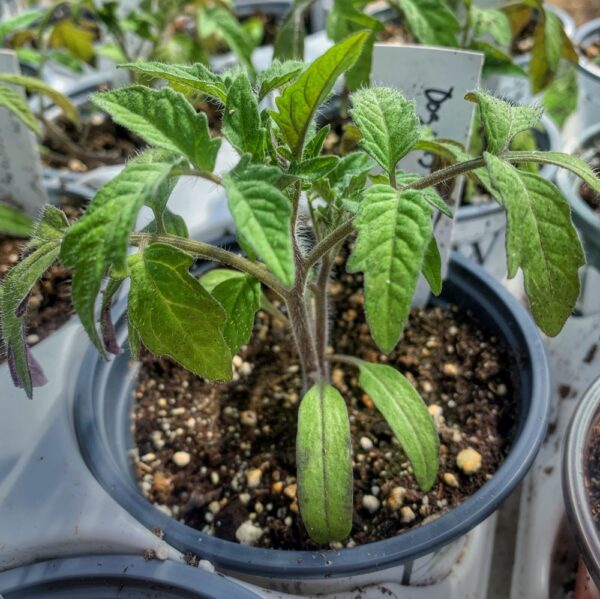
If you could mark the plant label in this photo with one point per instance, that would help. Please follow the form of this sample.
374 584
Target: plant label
21 183
437 79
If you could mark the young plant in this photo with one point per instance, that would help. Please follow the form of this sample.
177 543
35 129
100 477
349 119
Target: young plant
491 31
201 324
14 222
176 31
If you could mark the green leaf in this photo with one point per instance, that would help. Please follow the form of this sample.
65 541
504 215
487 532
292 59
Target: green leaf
394 229
13 101
432 267
78 40
15 289
496 61
572 163
277 75
165 119
300 100
174 314
242 124
541 240
388 123
314 168
323 456
502 121
172 223
184 78
19 21
289 43
31 84
100 238
240 296
560 97
490 21
315 144
407 415
66 59
14 222
236 37
262 214
550 45
430 21
430 195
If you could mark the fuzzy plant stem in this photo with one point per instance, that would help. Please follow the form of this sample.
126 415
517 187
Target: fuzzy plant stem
322 312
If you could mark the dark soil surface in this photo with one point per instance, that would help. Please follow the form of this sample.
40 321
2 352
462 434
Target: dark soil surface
221 457
97 142
49 305
589 195
593 473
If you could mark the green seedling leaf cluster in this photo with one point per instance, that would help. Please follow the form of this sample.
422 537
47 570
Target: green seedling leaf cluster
362 197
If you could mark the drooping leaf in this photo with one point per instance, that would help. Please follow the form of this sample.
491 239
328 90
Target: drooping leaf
388 123
276 75
14 293
76 38
394 229
323 456
240 296
195 77
174 314
32 84
242 124
502 121
541 240
13 101
432 22
407 415
165 119
172 223
300 100
236 37
289 43
432 267
262 214
14 222
100 238
19 21
550 45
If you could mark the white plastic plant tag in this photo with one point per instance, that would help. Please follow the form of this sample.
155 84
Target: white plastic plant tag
21 182
437 79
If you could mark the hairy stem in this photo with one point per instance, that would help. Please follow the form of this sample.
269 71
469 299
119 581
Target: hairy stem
195 173
305 343
211 252
322 312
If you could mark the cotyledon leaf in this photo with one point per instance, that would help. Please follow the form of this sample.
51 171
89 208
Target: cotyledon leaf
407 415
323 457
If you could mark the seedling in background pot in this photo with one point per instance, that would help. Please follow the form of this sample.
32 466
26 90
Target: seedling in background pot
202 324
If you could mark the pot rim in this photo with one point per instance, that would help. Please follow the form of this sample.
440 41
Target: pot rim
583 32
574 473
171 575
531 360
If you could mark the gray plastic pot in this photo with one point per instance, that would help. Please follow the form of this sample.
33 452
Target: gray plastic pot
102 412
575 490
479 230
116 576
589 76
586 220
